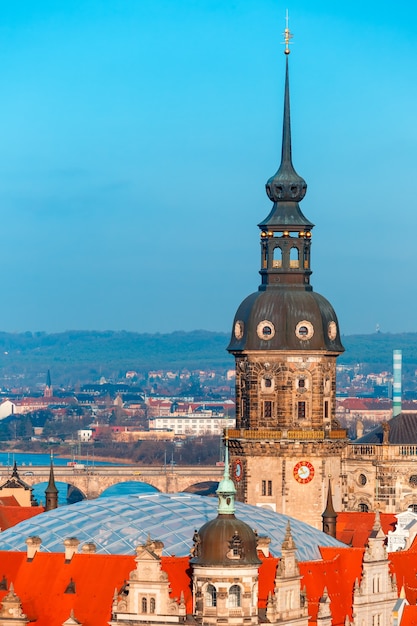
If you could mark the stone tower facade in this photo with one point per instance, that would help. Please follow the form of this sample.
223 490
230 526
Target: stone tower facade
285 340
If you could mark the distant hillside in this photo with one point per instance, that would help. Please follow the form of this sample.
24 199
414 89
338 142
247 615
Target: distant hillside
78 356
376 350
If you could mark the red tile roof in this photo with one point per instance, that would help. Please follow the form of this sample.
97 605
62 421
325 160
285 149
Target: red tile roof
409 616
365 404
47 576
96 576
337 572
354 528
12 515
403 563
8 501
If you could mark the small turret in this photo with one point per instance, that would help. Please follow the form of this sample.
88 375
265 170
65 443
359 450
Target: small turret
329 515
225 540
51 491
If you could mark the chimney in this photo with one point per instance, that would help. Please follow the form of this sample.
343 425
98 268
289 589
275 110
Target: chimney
33 545
396 389
89 548
71 547
263 544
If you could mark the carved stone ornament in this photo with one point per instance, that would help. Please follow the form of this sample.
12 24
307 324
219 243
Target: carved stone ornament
196 549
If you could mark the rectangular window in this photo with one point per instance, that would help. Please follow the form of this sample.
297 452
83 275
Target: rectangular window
301 410
326 408
264 487
267 408
269 487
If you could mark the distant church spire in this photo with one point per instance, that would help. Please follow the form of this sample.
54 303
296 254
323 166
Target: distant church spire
48 387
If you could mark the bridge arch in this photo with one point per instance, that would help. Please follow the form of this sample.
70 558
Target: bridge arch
67 492
128 487
92 481
204 488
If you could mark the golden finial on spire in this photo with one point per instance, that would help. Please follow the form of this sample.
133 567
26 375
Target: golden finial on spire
287 35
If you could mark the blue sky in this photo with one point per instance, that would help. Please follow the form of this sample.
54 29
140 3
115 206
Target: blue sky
136 137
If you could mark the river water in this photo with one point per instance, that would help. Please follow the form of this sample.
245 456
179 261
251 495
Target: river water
25 461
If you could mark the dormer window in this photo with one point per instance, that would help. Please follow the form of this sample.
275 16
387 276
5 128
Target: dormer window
236 547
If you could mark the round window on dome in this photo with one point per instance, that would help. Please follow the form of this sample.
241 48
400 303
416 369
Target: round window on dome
413 480
239 327
265 330
332 330
304 330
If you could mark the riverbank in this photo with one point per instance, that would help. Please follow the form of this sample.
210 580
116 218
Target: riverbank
82 458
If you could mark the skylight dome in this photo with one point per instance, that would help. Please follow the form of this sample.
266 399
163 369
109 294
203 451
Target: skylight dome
117 524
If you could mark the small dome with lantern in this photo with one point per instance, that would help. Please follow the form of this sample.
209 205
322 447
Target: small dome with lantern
225 540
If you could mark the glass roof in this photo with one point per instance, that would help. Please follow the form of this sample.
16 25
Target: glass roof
117 524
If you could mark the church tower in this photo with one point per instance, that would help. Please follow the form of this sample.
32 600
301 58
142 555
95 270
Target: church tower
285 340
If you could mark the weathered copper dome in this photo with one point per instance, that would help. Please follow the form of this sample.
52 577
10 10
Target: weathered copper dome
281 319
225 541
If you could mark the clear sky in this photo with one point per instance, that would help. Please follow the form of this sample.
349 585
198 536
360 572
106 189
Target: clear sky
136 137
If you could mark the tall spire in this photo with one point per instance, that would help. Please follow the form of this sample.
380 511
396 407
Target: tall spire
286 232
226 490
286 185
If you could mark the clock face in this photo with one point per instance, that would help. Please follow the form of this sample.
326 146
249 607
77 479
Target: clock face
237 470
303 472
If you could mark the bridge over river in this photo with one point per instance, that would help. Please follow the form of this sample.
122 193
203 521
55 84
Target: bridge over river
93 480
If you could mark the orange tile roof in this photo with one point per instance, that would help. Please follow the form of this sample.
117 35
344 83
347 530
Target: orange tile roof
266 578
403 563
354 528
365 404
409 616
337 572
95 577
8 501
178 570
12 515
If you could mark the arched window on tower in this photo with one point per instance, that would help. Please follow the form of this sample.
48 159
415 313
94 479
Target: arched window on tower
294 258
211 595
152 605
144 605
234 597
255 595
277 260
